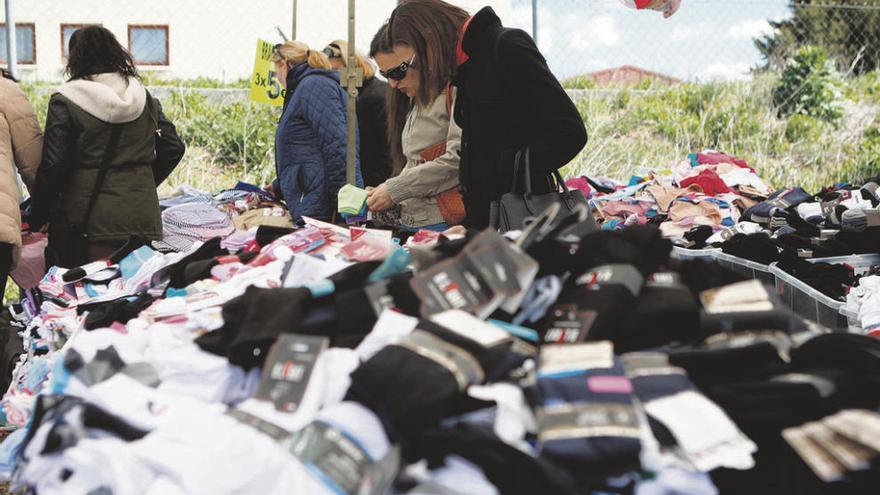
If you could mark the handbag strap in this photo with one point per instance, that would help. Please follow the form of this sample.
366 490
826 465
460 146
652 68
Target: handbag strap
528 166
109 153
516 159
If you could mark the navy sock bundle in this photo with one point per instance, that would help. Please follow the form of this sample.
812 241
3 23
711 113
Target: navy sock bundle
585 407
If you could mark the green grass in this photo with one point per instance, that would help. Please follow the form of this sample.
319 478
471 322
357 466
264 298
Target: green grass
628 130
155 79
632 130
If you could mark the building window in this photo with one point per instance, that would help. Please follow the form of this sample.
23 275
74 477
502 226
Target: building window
148 44
25 43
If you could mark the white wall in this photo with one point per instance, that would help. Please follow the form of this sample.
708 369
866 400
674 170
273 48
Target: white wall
211 38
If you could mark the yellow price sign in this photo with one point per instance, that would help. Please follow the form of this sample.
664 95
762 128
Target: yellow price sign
265 86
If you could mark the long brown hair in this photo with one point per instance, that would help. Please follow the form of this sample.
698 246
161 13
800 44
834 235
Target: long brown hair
432 29
434 45
397 105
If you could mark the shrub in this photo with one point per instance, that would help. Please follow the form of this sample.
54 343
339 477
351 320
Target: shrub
809 85
802 128
579 82
239 132
865 161
152 78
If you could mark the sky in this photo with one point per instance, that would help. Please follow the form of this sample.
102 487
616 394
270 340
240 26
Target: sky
705 40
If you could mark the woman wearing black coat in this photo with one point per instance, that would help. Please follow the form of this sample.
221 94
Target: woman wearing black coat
508 100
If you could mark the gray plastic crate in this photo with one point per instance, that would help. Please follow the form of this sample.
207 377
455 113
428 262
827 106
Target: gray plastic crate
852 318
681 253
747 268
808 302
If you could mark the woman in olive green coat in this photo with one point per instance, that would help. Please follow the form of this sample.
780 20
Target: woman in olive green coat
104 92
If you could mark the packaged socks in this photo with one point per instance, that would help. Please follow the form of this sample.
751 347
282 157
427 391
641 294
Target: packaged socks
585 411
704 434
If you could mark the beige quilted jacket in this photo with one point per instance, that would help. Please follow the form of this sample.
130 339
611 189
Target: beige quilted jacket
21 147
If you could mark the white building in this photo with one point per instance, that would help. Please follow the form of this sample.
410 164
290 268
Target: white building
190 38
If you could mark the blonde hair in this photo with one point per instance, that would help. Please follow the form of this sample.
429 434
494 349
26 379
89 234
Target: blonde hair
363 63
297 52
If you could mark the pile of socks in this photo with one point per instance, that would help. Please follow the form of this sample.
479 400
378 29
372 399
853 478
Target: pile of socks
780 200
669 399
863 301
602 366
832 280
585 411
756 247
352 204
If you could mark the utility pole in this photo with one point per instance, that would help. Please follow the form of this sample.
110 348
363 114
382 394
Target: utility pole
293 26
11 53
535 21
352 78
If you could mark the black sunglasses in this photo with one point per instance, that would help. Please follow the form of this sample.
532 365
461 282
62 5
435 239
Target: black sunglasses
399 72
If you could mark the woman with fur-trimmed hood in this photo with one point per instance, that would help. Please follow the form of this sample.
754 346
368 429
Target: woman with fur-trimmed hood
104 96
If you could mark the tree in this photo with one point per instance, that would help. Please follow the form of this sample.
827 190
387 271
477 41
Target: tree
848 31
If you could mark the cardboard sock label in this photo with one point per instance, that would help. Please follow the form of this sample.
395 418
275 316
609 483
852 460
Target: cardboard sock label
576 358
471 327
288 369
585 420
462 365
489 273
853 455
274 431
333 456
823 464
567 325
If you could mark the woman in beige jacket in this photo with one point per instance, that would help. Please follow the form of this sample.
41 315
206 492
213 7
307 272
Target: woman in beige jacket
21 147
425 142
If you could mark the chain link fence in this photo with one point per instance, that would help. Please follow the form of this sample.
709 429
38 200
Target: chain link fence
185 40
706 39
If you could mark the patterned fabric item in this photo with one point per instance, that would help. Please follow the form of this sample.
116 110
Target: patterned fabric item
183 225
389 217
186 194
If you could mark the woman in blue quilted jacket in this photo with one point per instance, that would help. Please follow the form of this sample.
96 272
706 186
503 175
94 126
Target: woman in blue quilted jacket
311 139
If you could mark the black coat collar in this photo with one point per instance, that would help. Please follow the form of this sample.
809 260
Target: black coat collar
483 26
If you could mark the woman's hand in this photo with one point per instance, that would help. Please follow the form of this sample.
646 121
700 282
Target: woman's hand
378 198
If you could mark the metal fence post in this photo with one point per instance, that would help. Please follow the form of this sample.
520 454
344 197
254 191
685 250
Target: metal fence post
535 21
352 78
11 53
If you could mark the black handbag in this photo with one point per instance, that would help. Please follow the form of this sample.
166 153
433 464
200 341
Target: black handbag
515 209
69 242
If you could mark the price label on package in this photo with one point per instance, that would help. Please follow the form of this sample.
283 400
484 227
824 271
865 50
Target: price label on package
265 86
